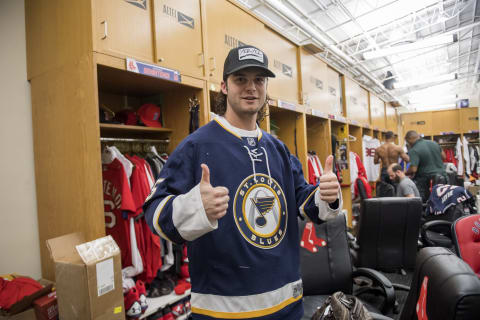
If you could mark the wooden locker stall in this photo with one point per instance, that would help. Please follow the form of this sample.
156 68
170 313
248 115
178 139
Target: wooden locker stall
356 101
340 130
377 112
227 26
391 118
282 60
289 126
445 122
334 93
421 122
368 131
469 119
179 41
117 35
355 145
314 82
318 137
69 81
357 133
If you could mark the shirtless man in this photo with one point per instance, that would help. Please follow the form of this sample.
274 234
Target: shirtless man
388 153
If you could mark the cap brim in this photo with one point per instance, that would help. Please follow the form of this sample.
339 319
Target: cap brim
268 73
151 123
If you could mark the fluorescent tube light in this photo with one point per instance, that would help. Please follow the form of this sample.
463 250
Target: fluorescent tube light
432 98
441 78
427 107
430 42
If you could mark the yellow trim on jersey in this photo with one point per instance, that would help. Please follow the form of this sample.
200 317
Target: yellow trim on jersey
221 125
302 207
156 218
260 134
247 314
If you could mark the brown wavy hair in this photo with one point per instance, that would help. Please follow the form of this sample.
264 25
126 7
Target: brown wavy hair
220 106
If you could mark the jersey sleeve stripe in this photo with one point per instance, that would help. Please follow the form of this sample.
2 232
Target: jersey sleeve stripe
156 217
302 207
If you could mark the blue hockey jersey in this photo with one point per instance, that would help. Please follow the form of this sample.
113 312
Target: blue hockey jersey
246 264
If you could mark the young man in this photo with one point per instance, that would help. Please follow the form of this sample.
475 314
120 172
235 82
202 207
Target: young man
233 193
389 153
405 186
426 162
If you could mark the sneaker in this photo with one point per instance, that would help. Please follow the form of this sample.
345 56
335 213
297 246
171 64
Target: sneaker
133 310
142 294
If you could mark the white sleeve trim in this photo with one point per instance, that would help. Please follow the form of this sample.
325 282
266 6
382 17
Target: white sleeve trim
189 216
324 211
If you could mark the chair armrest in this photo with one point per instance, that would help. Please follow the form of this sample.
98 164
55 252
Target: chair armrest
398 286
438 226
379 280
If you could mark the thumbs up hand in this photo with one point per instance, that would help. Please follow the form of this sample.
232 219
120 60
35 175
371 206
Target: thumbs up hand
215 199
328 185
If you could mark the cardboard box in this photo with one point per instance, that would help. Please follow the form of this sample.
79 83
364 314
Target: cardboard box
16 311
46 307
88 277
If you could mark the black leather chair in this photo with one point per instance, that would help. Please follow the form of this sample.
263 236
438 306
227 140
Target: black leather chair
443 287
326 267
388 233
436 230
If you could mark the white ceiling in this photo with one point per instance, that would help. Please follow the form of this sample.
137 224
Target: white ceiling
346 29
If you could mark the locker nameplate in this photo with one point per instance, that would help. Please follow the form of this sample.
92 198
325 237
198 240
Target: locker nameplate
287 105
153 71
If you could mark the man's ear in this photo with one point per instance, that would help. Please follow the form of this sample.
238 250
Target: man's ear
224 87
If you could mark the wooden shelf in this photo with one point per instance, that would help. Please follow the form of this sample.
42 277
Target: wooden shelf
124 128
125 131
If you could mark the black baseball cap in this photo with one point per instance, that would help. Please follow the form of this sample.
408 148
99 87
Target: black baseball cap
245 57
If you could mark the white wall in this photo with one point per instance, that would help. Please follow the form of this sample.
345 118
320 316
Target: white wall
19 245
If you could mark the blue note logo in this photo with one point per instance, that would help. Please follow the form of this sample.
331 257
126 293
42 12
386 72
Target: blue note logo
185 20
138 3
181 17
260 211
287 70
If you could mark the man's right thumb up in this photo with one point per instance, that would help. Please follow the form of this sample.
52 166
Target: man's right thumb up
205 174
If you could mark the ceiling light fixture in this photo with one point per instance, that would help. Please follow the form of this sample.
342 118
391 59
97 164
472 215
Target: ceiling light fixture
430 42
441 78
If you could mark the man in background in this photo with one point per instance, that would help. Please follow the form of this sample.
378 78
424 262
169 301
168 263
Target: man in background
426 162
388 153
405 186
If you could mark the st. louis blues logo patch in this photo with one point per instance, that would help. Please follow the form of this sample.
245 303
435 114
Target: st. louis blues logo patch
260 211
